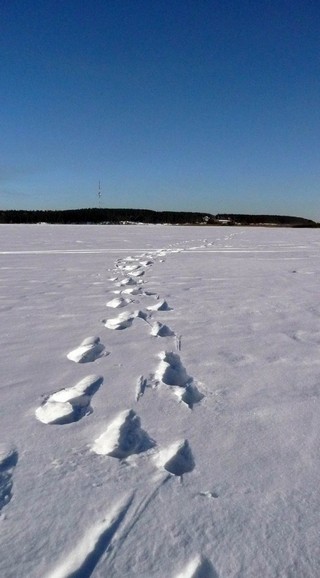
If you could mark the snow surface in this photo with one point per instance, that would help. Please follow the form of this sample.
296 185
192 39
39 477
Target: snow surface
175 437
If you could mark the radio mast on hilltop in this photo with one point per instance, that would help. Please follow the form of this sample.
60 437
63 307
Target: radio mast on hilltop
99 195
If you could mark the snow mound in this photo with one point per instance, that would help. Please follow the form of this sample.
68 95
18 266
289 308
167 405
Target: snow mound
53 412
132 291
127 281
137 273
160 330
146 263
189 395
176 459
70 404
123 437
161 305
199 567
129 267
118 302
124 320
89 350
171 371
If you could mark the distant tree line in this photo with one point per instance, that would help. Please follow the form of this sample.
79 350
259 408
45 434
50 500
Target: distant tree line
96 216
116 216
280 220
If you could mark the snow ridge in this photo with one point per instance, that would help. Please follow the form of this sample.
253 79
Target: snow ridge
8 461
94 544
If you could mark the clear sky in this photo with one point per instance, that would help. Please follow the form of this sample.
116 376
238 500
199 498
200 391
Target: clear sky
200 105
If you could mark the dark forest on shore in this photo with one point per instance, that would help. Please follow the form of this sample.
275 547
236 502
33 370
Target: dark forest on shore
145 216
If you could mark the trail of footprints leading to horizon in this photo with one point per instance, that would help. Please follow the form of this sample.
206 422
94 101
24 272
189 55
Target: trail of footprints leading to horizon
124 436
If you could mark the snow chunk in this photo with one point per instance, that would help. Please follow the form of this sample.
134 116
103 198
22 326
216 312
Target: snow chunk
69 404
160 330
118 302
123 437
171 371
132 291
161 305
176 459
127 281
124 320
89 350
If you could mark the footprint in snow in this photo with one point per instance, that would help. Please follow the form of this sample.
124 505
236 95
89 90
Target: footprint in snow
137 273
132 291
130 258
177 459
125 267
208 494
137 291
161 305
89 350
146 263
8 461
118 302
124 320
123 437
142 384
69 404
160 330
172 373
127 281
171 370
199 567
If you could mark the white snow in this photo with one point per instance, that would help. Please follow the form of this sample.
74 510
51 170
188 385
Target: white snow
161 305
118 302
89 350
123 437
69 404
185 445
176 459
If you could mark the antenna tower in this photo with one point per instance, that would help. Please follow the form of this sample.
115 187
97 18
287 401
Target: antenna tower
99 195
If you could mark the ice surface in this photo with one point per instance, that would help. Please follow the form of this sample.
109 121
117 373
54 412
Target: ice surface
213 471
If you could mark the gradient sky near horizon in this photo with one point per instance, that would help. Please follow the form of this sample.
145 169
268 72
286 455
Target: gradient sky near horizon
194 105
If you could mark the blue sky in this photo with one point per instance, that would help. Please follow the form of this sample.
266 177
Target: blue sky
172 104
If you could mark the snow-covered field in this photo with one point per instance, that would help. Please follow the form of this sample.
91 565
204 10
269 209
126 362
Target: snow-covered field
159 402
